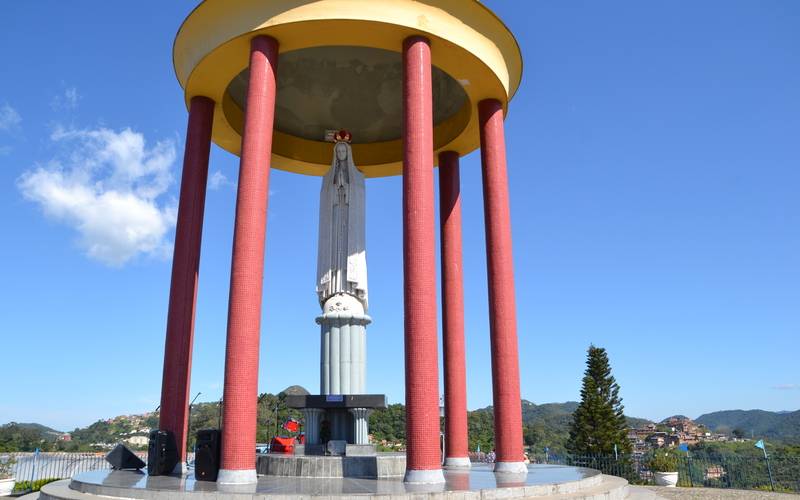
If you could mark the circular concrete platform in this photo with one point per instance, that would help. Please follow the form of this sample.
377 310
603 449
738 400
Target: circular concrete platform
478 483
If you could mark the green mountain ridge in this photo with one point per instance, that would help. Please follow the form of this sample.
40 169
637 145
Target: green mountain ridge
38 428
557 413
784 426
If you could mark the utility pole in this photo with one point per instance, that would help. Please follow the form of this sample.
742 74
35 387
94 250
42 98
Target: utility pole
189 425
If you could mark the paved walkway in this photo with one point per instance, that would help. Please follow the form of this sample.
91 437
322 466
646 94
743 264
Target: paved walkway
718 494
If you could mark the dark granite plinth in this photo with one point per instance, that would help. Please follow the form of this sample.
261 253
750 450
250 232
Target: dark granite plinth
336 401
383 465
309 449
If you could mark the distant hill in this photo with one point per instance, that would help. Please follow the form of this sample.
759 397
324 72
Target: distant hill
679 417
544 413
544 425
638 423
557 416
296 390
561 414
784 426
43 429
26 437
548 412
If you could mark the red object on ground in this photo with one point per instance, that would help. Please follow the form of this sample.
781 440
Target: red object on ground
419 260
500 267
174 413
247 267
281 445
455 372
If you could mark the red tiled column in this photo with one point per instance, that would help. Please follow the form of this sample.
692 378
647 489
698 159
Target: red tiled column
423 462
502 309
185 268
455 373
247 269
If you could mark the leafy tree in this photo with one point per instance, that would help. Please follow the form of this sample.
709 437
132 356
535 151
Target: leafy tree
21 437
532 435
272 414
599 422
480 425
389 424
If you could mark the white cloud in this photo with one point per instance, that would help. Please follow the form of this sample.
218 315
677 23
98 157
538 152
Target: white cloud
9 118
68 100
218 180
110 189
787 387
71 97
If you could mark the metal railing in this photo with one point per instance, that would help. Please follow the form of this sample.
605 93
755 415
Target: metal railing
781 473
32 469
36 466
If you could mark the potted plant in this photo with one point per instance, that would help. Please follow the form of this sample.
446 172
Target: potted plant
7 480
664 466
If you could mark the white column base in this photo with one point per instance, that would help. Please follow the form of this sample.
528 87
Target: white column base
511 467
427 476
237 476
457 463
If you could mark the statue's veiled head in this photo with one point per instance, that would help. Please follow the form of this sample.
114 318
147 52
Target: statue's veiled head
342 150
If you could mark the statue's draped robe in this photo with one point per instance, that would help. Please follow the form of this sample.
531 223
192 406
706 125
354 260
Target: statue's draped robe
341 259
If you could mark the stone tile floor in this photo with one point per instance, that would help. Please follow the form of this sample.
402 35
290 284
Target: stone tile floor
717 494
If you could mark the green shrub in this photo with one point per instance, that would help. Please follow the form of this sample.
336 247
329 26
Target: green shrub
35 486
663 461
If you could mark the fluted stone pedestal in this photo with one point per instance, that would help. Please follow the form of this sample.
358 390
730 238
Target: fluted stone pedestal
343 352
312 417
360 425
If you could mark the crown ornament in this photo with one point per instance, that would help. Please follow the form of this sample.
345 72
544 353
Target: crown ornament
343 136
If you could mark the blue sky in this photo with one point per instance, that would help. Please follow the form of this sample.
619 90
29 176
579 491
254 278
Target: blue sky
653 155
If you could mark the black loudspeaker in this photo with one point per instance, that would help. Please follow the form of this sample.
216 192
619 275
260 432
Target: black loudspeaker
162 454
123 458
206 454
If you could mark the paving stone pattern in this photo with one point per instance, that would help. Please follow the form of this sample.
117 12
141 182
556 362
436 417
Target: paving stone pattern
719 494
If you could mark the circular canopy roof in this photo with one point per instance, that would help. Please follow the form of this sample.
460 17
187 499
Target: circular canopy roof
340 67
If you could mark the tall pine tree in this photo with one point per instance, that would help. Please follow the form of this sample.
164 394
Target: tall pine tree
599 422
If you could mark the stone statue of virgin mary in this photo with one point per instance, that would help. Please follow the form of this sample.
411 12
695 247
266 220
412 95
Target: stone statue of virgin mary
342 260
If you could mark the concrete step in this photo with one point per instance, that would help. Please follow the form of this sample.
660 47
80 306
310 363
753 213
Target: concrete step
29 496
59 490
609 488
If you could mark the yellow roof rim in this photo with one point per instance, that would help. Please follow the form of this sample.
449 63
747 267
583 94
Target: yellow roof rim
469 42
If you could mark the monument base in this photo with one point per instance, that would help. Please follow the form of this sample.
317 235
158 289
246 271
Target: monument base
345 417
375 466
350 450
